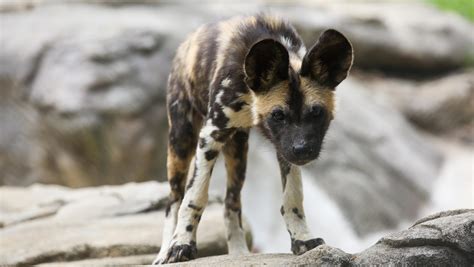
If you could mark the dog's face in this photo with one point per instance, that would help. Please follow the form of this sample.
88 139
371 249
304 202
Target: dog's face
294 99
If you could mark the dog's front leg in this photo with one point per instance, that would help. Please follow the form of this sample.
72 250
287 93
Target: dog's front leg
292 209
183 245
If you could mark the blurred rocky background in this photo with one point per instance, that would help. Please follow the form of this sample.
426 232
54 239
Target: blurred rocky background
82 103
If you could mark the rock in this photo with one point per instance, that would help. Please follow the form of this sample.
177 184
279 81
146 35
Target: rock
107 261
110 111
452 229
322 256
121 225
17 146
446 238
393 36
57 224
443 106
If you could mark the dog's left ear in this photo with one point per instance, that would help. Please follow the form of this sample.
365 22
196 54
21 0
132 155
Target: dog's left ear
265 65
329 60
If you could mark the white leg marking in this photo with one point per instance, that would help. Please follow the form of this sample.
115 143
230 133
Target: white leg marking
197 191
168 230
293 206
236 242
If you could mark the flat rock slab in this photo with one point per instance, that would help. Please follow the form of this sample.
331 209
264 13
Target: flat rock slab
62 225
108 261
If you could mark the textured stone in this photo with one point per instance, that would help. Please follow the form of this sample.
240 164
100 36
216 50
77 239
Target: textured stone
440 251
113 225
442 239
92 223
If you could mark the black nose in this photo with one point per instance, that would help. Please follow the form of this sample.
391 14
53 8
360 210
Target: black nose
301 149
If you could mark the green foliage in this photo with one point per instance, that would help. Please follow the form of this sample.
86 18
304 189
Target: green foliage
463 7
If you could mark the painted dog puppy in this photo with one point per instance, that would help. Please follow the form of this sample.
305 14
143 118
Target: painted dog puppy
226 78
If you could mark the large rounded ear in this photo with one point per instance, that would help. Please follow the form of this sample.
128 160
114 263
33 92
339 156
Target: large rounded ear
265 65
329 60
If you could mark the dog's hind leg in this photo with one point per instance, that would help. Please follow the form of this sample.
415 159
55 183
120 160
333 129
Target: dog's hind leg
235 153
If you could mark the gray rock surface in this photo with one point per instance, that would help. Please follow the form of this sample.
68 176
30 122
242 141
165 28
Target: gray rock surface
18 120
396 37
446 239
442 105
445 104
44 223
392 36
111 225
443 239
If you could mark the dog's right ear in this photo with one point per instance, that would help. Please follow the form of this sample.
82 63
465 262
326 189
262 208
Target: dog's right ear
266 64
328 62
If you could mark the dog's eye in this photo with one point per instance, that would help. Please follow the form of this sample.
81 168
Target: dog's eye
278 115
317 111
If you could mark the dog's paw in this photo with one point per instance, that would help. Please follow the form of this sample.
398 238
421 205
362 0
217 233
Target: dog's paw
158 260
299 247
179 253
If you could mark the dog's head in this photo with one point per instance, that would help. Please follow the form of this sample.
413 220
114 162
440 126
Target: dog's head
294 98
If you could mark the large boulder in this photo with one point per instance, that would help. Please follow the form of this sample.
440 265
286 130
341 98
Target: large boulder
96 93
44 223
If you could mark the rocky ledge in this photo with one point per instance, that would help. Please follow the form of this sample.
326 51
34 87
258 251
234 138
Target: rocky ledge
45 224
116 225
443 239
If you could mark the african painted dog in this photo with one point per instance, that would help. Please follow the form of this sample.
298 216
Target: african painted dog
226 78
